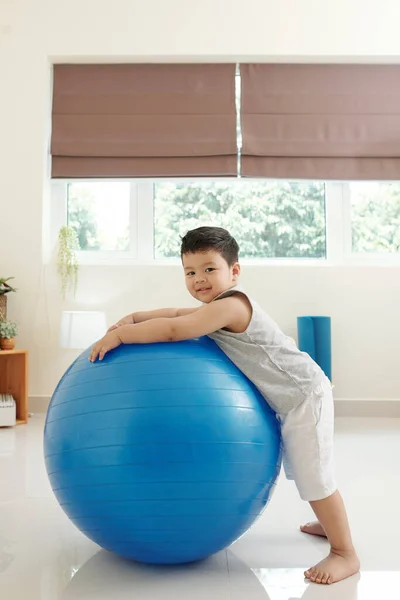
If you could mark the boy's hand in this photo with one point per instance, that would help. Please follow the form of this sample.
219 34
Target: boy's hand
128 320
107 343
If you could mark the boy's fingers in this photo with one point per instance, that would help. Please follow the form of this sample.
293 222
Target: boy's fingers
93 355
100 350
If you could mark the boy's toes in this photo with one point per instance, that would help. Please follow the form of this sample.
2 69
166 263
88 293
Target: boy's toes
325 578
317 576
311 574
308 573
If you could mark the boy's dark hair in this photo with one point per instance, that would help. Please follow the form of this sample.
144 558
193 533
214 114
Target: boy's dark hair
211 238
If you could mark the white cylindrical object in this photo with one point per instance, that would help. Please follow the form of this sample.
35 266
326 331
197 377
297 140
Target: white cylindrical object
7 410
81 328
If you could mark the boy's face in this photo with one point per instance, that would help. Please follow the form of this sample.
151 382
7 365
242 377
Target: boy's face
207 274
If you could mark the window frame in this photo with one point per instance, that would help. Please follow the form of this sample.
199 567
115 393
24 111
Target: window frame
337 218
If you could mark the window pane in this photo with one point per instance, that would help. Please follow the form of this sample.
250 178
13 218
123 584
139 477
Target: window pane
99 213
270 219
375 217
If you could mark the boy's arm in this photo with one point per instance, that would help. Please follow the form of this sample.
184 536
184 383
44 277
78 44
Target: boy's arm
139 317
233 312
168 313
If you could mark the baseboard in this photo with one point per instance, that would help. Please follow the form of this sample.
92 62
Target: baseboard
344 407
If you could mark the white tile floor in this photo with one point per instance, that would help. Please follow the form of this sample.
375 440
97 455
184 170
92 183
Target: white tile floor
43 556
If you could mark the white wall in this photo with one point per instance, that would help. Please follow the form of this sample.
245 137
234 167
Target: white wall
363 302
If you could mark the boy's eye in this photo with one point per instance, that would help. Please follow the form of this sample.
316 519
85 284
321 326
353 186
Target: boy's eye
190 274
209 269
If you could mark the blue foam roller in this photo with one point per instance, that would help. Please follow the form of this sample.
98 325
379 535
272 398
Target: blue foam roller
314 337
161 453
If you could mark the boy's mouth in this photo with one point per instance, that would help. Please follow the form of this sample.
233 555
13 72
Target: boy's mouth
203 290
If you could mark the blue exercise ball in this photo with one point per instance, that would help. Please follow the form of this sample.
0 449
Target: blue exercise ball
161 453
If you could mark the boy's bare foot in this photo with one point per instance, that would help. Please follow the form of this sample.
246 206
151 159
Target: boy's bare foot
335 567
313 528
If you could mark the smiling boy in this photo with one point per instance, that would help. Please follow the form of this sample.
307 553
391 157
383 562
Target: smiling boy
290 381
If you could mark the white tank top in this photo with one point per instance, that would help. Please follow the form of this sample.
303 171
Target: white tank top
270 359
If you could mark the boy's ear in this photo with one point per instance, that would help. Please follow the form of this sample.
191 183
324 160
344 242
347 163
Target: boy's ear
235 270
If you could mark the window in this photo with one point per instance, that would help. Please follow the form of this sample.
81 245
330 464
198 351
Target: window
142 220
99 213
375 217
270 219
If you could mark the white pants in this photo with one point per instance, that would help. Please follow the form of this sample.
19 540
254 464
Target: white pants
307 439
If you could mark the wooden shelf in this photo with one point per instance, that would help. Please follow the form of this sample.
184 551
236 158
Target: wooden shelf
14 380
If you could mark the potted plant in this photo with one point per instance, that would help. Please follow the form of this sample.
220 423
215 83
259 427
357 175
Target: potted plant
67 261
8 331
4 289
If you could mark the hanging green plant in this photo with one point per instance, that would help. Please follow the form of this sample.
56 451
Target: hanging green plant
67 261
5 288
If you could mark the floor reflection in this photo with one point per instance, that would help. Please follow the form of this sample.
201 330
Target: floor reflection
105 576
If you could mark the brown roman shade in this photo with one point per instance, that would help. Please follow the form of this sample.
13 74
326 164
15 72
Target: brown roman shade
144 120
320 121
